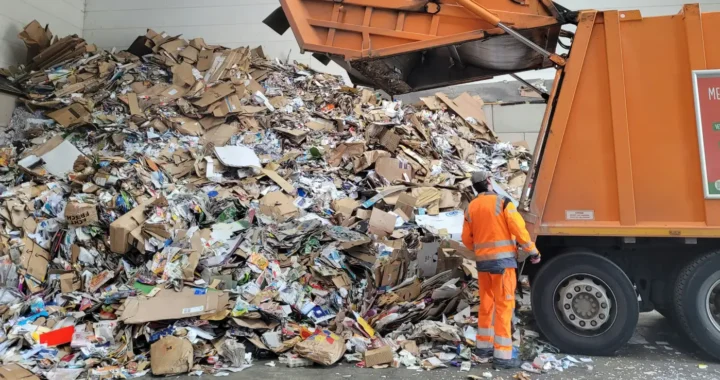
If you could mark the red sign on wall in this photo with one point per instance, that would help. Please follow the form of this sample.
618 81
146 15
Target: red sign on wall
706 84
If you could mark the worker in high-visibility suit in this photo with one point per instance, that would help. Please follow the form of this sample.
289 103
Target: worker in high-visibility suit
492 226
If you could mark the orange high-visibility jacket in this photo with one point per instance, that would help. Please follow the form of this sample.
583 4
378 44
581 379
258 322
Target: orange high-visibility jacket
492 226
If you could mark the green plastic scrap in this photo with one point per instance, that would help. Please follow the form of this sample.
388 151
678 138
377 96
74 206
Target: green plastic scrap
228 215
315 152
311 244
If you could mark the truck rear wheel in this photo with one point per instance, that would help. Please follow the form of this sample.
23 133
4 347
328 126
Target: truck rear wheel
697 302
669 314
584 304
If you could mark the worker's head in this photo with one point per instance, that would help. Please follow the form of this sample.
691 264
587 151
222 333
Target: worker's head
481 181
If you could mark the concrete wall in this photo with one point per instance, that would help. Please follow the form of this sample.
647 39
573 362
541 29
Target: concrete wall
232 23
516 122
64 16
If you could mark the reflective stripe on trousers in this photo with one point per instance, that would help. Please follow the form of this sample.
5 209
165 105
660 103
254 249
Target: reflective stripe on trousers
503 341
504 354
486 332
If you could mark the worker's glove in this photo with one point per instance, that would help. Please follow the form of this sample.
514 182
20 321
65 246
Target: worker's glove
535 259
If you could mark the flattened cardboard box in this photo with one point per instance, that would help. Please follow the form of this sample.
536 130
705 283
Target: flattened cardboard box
70 115
35 259
190 54
183 75
390 273
214 94
70 282
255 323
220 135
80 214
169 304
205 59
447 261
393 169
133 104
457 248
427 259
230 104
378 356
345 206
174 47
405 206
410 346
411 292
278 205
381 223
16 372
187 126
390 140
171 355
173 92
121 228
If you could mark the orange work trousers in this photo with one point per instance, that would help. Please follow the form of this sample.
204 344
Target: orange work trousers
497 297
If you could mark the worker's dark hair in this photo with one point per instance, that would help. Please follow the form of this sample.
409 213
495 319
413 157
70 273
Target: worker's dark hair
481 187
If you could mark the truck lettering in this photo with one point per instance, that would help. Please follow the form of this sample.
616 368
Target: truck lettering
714 93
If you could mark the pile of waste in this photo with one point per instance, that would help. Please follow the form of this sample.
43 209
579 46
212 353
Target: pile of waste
180 207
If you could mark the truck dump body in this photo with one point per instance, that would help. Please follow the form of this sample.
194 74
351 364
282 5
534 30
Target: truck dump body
621 155
409 45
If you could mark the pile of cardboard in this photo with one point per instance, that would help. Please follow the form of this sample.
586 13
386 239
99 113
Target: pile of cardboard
179 205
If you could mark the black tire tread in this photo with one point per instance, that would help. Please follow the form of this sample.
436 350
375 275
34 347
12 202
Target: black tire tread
678 304
609 349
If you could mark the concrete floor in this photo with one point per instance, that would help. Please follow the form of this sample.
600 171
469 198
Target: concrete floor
680 360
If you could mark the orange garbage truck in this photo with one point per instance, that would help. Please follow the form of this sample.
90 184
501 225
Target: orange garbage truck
624 191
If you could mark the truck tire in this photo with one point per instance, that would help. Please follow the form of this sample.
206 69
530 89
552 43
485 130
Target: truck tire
668 310
584 304
669 314
697 302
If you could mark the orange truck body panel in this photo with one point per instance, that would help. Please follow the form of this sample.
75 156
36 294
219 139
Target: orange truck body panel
373 28
402 46
619 145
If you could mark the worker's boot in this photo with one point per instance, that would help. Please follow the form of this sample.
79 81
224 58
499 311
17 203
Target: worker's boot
506 363
483 352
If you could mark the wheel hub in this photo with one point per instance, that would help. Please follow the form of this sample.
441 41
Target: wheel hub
712 305
584 304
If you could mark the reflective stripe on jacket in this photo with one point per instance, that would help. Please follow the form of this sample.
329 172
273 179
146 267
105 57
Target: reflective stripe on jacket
491 228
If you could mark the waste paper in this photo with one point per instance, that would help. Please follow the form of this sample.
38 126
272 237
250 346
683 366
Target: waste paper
181 207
